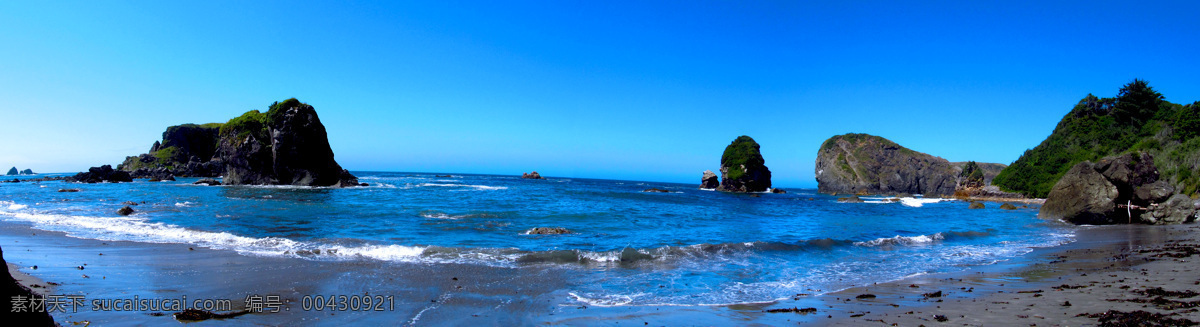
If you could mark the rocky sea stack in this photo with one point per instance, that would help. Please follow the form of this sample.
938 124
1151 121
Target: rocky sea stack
1117 190
743 168
868 164
709 180
287 145
12 171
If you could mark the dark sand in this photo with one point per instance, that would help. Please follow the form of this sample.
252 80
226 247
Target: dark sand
1025 291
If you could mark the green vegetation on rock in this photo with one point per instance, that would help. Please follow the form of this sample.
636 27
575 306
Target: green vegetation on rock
743 152
1138 119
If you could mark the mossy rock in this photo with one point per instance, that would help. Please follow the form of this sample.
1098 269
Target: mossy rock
976 205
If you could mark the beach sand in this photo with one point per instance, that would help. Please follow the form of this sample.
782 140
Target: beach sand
1105 262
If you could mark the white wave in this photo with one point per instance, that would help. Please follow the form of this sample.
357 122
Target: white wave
607 300
141 230
185 204
918 202
12 206
439 215
477 187
707 189
902 240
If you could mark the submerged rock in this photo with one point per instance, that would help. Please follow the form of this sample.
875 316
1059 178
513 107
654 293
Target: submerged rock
1008 206
68 190
656 190
743 168
125 211
852 199
709 180
778 191
547 231
533 175
207 181
976 205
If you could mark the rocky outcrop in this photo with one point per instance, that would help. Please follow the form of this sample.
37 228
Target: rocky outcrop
27 171
125 211
710 180
185 150
989 169
1116 190
207 181
854 163
547 231
12 171
743 168
656 190
10 288
101 174
533 175
287 145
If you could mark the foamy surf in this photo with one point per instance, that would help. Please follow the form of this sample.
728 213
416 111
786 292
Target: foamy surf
918 202
903 240
476 187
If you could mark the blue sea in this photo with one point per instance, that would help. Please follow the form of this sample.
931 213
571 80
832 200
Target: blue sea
627 247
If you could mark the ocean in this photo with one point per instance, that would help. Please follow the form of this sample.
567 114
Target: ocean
688 247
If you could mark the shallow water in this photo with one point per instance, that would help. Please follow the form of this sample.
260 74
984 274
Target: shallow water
687 247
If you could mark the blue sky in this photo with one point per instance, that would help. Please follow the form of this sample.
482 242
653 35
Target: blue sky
645 90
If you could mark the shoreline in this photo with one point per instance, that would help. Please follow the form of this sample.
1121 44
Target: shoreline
468 294
1069 285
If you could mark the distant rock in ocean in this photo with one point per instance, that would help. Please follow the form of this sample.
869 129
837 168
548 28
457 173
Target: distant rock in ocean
101 174
1117 190
12 171
533 175
868 164
710 180
287 145
743 168
27 171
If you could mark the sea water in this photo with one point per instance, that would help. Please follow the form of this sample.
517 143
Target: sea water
626 247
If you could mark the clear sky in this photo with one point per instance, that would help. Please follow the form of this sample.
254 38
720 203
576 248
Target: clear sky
641 90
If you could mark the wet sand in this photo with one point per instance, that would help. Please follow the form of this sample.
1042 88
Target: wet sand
1107 268
422 294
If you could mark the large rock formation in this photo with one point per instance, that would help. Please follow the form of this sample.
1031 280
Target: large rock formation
1138 117
709 180
101 174
12 171
862 163
1117 190
185 150
9 289
287 145
743 168
27 171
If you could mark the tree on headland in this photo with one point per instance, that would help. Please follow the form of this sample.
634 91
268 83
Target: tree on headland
1137 119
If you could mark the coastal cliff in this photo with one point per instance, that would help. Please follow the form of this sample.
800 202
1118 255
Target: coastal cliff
868 164
287 145
1137 119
